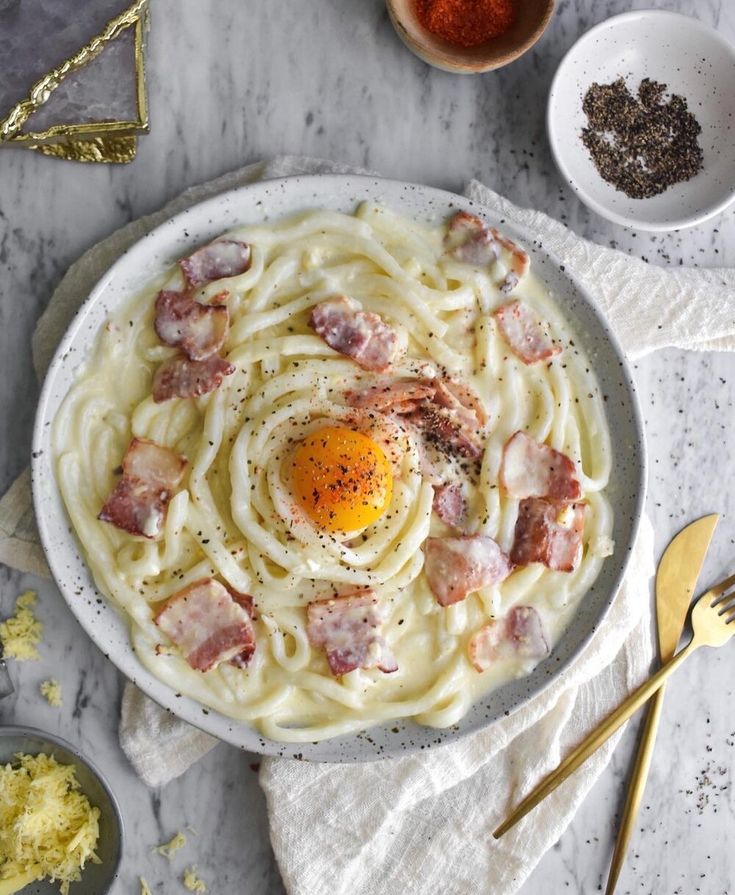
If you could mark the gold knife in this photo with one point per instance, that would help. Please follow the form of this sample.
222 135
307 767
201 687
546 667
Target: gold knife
676 580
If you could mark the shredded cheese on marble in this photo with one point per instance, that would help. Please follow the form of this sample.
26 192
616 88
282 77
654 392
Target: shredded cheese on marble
192 882
145 889
22 632
169 849
47 826
51 691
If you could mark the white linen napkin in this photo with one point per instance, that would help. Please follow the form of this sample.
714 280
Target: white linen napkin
422 823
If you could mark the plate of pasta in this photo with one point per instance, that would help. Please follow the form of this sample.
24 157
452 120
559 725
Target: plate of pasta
337 467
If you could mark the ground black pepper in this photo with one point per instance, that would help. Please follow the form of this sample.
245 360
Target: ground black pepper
641 144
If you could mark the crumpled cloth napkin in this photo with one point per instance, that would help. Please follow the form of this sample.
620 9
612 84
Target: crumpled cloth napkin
423 823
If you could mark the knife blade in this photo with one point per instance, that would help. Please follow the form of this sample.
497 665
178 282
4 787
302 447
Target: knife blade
676 580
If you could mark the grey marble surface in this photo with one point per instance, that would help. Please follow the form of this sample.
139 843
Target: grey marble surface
231 83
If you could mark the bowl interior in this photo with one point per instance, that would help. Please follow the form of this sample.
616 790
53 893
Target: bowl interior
531 19
266 201
96 878
694 62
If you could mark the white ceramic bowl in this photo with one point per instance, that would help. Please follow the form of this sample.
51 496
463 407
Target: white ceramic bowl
268 200
695 62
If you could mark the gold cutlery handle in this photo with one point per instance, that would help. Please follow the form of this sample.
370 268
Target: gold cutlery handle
636 787
594 740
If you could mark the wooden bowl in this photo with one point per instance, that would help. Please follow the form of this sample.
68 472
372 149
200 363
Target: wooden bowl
532 18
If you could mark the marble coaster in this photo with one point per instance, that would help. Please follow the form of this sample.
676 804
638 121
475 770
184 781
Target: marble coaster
83 82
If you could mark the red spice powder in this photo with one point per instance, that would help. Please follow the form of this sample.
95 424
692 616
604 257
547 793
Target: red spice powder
466 23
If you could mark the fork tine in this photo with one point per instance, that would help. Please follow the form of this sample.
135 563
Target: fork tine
719 589
723 603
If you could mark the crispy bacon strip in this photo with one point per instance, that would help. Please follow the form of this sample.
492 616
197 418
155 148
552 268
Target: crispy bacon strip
220 259
453 419
180 377
138 502
520 263
399 396
549 532
448 413
471 241
519 635
532 469
360 335
348 628
448 431
462 400
449 504
208 625
528 338
459 566
199 330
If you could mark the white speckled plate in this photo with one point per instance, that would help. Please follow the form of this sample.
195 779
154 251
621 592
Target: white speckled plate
695 62
265 201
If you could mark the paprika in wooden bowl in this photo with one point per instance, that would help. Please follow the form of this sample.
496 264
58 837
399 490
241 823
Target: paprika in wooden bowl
469 36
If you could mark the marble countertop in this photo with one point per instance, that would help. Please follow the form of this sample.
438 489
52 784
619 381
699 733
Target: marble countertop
232 83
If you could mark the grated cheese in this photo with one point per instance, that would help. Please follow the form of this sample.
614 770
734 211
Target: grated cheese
47 826
145 889
21 633
192 881
51 690
169 849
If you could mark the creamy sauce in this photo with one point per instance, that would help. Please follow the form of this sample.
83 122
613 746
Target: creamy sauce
233 517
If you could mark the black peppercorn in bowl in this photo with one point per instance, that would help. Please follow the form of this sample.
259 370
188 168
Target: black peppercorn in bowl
641 120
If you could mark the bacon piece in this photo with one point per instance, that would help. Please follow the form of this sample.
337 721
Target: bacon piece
442 428
449 413
180 377
469 240
242 659
348 628
208 625
519 635
456 567
528 337
216 261
199 330
147 461
549 532
519 262
138 502
449 504
360 335
532 469
453 419
464 403
401 396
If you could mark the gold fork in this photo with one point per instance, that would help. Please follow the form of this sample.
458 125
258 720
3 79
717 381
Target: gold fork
712 620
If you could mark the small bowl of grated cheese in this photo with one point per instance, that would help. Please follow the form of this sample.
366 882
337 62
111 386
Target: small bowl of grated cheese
60 825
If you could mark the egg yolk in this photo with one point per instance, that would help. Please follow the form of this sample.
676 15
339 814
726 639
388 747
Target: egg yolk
341 479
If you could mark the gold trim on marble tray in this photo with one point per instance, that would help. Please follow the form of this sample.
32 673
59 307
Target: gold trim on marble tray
109 150
136 14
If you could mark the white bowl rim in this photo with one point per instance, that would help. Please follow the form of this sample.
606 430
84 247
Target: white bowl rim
209 719
609 214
